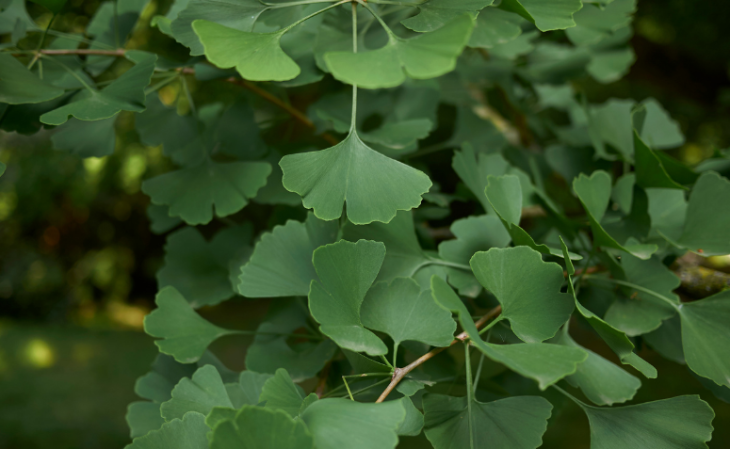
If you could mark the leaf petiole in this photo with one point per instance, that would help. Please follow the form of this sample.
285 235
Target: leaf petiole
635 287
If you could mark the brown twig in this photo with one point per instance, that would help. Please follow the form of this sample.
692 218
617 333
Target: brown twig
400 373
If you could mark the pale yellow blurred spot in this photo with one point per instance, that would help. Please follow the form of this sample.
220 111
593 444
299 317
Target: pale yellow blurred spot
127 315
39 354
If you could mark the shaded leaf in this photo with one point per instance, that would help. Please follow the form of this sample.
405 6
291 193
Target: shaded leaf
476 233
86 139
188 432
281 393
706 338
433 14
650 171
200 393
707 226
256 427
493 27
19 86
143 417
545 14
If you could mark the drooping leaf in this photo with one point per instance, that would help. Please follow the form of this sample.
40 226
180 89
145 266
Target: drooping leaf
527 288
238 15
373 186
516 422
682 421
336 423
19 86
281 263
200 393
433 14
200 270
125 93
185 335
256 56
545 14
707 226
594 193
257 427
425 56
281 393
189 433
706 337
493 27
86 139
544 363
400 309
270 352
193 193
650 171
346 271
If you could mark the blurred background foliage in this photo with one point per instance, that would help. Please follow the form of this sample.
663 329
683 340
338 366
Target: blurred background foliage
78 259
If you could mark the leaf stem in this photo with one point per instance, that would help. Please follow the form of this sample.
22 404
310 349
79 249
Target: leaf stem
72 73
40 43
400 373
490 325
161 84
389 2
391 34
636 287
353 118
461 266
469 392
478 373
348 388
304 19
385 360
299 3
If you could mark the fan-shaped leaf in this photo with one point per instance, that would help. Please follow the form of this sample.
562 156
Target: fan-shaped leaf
474 234
433 14
189 433
257 427
18 85
707 226
281 393
545 14
493 27
200 393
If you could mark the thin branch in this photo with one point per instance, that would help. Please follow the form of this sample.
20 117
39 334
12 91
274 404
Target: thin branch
400 373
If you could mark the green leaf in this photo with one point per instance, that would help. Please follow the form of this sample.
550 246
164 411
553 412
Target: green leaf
433 14
239 15
281 263
545 363
601 381
19 86
256 56
269 352
248 389
545 14
594 193
658 129
185 335
373 186
125 93
425 56
610 123
86 139
683 421
474 169
650 171
338 423
706 229
2 168
200 270
189 433
527 288
510 423
705 337
192 193
54 6
346 271
403 253
200 393
494 27
281 393
143 417
401 310
594 23
256 427
475 233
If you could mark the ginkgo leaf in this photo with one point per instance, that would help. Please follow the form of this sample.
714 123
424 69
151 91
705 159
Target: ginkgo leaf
504 194
706 338
19 86
474 169
706 229
510 423
594 23
594 193
657 128
650 171
190 432
433 14
413 423
545 14
238 15
143 417
200 393
185 335
257 427
200 270
476 233
86 139
544 363
373 186
338 423
400 309
403 253
527 288
682 421
281 393
425 56
493 27
270 352
281 263
125 93
601 381
193 193
256 56
346 271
